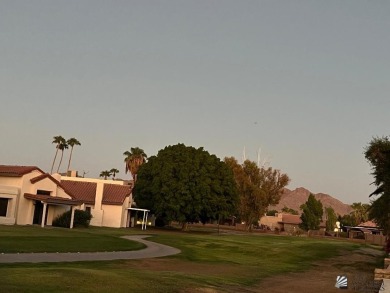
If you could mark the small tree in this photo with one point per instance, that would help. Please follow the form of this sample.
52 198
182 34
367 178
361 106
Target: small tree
289 211
272 213
113 172
105 174
311 214
331 219
348 220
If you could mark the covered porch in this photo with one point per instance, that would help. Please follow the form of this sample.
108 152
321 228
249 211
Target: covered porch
42 203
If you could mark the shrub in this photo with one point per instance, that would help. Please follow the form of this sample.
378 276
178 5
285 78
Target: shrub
81 219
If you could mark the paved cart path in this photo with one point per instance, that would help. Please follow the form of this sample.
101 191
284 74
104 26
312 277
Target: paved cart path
152 250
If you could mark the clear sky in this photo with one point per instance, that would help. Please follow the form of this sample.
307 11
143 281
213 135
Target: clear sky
305 81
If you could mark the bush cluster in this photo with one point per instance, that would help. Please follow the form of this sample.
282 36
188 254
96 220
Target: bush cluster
81 219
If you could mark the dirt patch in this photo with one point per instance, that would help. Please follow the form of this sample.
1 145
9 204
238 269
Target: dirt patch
358 266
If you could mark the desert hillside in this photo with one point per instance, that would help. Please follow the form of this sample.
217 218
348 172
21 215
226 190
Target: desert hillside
293 199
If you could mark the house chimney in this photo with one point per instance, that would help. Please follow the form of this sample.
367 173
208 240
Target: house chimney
72 173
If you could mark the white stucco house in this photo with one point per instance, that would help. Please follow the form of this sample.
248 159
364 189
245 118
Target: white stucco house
30 196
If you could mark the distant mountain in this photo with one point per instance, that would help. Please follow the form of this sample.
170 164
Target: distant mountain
293 199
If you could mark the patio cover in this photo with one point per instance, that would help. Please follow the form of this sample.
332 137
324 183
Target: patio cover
52 200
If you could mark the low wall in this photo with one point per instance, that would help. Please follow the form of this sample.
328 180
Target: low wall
375 239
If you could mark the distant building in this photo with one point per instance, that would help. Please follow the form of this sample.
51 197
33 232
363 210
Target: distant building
284 222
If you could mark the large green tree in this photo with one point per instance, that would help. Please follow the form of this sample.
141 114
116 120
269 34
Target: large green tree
258 188
311 214
133 160
71 142
377 154
186 184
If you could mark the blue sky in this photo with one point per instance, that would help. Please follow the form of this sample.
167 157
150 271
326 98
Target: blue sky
305 81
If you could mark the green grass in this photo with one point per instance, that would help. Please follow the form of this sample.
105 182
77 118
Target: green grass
14 239
221 262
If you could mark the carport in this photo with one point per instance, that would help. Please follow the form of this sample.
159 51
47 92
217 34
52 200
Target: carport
144 218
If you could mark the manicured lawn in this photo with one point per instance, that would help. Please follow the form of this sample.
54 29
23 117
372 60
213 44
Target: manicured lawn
225 263
21 239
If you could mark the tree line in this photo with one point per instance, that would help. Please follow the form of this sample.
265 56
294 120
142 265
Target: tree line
187 184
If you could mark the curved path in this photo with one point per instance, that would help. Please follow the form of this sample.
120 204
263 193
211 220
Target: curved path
152 250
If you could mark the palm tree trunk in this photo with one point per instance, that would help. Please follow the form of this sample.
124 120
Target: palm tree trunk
52 166
62 155
70 158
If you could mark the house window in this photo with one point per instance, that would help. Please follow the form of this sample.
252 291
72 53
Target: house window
43 192
3 207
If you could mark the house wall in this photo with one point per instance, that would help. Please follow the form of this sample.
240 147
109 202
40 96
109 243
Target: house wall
271 221
11 193
112 216
24 208
105 215
291 228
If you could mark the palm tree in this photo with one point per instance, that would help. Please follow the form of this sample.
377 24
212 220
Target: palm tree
113 171
57 140
62 146
134 159
105 174
71 142
360 212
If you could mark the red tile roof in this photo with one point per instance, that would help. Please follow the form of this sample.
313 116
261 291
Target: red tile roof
114 194
291 219
369 224
84 191
43 176
17 171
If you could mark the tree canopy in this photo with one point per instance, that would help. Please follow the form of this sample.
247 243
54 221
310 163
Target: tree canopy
377 154
258 188
186 184
311 214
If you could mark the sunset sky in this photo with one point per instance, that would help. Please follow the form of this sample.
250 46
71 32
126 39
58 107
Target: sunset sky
305 81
